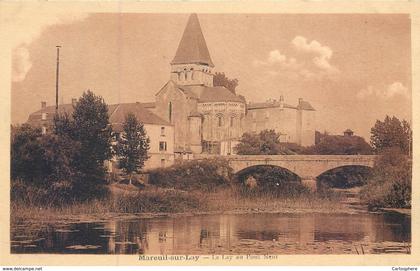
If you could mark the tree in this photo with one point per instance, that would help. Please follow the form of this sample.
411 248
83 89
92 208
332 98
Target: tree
220 79
91 128
26 154
390 185
132 146
266 142
338 144
269 142
391 133
63 125
42 159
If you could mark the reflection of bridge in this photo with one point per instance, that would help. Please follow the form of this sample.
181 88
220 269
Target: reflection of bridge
307 167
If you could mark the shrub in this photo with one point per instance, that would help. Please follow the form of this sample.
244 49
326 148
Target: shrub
205 175
390 185
56 194
157 200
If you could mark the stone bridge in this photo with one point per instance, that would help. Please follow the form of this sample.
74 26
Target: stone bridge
307 167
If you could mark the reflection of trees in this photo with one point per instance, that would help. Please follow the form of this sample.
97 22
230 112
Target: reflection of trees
131 237
392 227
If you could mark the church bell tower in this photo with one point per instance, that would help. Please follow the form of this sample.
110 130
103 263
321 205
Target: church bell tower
192 64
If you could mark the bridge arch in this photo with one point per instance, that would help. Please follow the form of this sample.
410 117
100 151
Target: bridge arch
346 176
268 180
259 168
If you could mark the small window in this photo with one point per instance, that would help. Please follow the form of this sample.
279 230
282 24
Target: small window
170 111
162 131
44 116
232 121
162 146
220 121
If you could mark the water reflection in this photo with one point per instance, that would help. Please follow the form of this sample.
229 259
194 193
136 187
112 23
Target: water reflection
234 234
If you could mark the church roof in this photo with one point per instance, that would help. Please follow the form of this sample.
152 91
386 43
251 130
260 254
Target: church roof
268 104
212 94
192 47
117 115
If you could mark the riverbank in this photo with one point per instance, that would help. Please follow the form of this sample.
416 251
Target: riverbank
128 201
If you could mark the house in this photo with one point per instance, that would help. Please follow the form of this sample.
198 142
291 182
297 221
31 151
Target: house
159 131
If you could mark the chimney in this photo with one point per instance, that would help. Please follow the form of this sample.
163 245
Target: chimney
73 101
43 104
300 100
281 102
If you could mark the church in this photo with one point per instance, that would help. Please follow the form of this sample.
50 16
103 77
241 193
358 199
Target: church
192 116
211 119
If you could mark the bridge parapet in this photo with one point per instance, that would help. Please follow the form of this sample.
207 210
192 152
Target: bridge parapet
305 166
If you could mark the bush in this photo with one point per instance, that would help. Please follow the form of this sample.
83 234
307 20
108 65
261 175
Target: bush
157 200
338 144
269 181
390 185
204 175
57 194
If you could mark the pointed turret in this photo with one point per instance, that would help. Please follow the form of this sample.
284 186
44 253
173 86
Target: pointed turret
192 64
193 48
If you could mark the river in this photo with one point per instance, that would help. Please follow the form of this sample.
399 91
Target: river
280 233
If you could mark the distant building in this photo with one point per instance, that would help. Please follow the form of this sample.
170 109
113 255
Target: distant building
295 124
348 132
160 132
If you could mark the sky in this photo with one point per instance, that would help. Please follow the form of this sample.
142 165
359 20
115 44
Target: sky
353 69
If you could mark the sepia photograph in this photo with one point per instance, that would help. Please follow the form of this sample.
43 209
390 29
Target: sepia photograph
211 134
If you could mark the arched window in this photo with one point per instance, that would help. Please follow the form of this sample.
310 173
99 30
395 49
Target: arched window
170 111
220 121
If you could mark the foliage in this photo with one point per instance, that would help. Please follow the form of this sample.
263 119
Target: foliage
63 125
158 200
68 164
220 79
132 146
266 142
205 175
42 159
91 128
391 133
26 154
338 144
269 180
345 177
390 185
43 170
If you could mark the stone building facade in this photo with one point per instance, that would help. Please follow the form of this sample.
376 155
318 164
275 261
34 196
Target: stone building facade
159 131
206 118
295 124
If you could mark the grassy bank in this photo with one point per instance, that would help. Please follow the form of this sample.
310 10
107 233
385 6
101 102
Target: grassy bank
126 200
